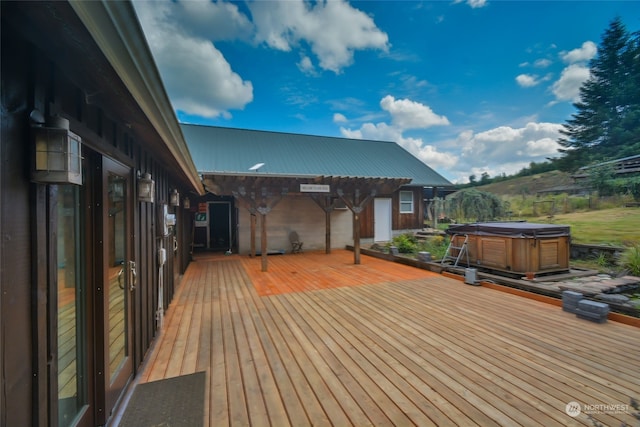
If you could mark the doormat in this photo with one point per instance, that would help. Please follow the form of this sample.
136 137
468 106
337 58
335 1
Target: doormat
174 402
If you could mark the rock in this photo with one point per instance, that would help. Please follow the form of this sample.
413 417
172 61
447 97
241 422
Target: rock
617 298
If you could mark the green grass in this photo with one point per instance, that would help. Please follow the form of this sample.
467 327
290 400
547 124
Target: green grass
616 227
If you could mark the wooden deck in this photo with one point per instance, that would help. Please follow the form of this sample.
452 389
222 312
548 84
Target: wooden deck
317 340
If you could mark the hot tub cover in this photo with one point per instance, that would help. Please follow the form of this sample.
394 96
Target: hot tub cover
510 229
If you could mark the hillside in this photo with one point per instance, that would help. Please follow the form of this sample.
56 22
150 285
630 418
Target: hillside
528 185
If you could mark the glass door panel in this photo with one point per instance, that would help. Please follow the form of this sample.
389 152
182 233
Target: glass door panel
117 278
72 338
118 275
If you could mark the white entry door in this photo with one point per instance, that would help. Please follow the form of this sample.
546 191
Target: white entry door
382 220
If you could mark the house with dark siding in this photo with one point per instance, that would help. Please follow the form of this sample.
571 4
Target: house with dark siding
82 276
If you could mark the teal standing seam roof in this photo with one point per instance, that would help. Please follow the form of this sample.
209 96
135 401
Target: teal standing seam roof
220 150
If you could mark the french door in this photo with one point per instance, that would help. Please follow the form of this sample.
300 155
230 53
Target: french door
115 289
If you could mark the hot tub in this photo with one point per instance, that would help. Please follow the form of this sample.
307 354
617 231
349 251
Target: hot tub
515 247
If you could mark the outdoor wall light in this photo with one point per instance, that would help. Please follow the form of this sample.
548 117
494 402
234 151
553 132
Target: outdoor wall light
186 203
174 198
57 156
146 188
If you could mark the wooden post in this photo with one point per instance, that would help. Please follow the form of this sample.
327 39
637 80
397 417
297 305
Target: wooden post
356 237
253 234
262 208
263 240
327 206
327 231
356 206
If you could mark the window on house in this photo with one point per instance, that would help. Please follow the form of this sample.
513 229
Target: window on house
406 202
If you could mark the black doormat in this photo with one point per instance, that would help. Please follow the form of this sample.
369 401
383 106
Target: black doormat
174 402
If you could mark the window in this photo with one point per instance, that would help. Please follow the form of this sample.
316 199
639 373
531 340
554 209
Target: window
406 202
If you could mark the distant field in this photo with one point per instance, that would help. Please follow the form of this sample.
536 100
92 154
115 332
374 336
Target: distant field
528 185
617 226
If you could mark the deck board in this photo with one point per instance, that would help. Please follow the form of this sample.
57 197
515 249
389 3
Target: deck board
317 340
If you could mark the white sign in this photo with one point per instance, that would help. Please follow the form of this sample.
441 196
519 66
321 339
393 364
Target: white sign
314 188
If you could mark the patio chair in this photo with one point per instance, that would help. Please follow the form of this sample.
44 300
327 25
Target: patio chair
296 244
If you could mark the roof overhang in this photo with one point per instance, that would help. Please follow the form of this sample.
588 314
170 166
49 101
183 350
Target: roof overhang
116 30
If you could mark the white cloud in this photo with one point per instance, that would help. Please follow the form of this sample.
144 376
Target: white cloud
503 149
210 20
333 29
184 58
527 80
504 144
407 114
567 88
428 154
473 3
181 35
306 66
542 63
339 118
582 54
477 3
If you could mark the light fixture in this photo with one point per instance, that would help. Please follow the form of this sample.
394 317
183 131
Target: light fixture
57 157
256 167
186 203
146 188
174 198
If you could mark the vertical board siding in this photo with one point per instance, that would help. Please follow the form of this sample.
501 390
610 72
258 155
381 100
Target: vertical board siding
16 212
32 80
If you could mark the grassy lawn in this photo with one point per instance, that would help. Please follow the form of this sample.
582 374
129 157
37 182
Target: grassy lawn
617 226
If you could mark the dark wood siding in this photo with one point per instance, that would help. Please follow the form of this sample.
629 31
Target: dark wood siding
366 222
32 79
399 221
16 294
407 221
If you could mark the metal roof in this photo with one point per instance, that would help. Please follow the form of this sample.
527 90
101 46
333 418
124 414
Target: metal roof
220 150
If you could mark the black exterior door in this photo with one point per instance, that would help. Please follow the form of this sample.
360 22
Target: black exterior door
219 225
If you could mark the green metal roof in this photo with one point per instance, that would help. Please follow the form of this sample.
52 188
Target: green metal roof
219 150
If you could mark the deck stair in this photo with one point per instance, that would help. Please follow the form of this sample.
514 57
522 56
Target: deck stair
459 251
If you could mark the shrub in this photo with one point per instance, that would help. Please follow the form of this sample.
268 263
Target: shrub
475 205
406 243
630 259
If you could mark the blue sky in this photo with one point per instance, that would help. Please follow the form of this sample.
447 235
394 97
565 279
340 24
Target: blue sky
466 86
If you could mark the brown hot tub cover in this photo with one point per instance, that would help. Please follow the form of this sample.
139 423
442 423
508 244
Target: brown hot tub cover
510 229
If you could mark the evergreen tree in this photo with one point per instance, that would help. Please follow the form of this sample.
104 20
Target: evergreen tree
607 122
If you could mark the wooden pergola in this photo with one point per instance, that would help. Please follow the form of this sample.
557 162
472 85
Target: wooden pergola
260 193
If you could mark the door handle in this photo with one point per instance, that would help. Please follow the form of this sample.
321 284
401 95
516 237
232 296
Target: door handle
134 275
